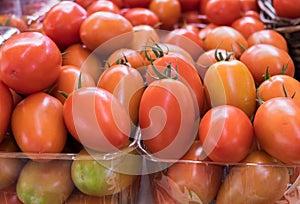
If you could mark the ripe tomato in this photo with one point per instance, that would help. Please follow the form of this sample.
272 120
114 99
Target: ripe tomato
244 183
136 3
29 62
287 8
231 83
103 125
247 25
68 81
62 23
168 12
189 5
167 123
37 124
260 57
102 26
249 5
144 35
268 36
204 31
84 3
201 180
227 38
276 126
127 85
13 21
142 16
102 6
273 87
223 127
6 108
223 12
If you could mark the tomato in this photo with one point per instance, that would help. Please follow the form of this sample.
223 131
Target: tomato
204 31
247 183
260 57
144 35
84 3
79 198
202 6
9 195
287 8
126 84
168 12
98 178
231 83
223 12
104 125
194 181
136 3
62 23
29 62
247 25
102 26
13 21
37 124
253 14
6 108
249 5
276 127
68 81
279 86
142 16
189 5
268 36
102 6
45 182
168 122
227 38
78 55
223 127
191 17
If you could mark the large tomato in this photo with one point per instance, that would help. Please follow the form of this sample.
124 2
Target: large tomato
6 108
227 38
102 6
247 25
102 26
167 118
37 124
189 5
103 125
276 127
260 57
62 23
224 127
231 83
142 16
223 12
287 8
29 62
136 3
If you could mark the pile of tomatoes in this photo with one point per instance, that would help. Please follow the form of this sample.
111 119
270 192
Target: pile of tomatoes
199 88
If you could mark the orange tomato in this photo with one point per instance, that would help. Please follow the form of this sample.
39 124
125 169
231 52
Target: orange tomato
247 25
6 108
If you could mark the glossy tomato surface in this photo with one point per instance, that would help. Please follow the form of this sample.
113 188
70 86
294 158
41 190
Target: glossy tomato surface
287 8
6 108
142 16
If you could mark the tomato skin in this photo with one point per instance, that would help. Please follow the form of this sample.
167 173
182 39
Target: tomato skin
231 83
189 5
223 127
142 16
168 122
247 25
287 8
109 128
13 21
259 57
6 108
24 75
249 5
102 6
38 125
223 12
168 12
62 23
102 26
136 3
276 126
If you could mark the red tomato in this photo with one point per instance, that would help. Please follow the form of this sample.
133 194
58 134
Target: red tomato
13 21
202 6
223 12
167 118
29 62
103 125
102 6
253 14
84 3
260 57
204 31
287 8
268 36
136 3
230 83
37 124
189 5
62 23
222 128
249 5
142 16
277 126
202 180
247 25
102 26
127 85
6 107
168 12
227 38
